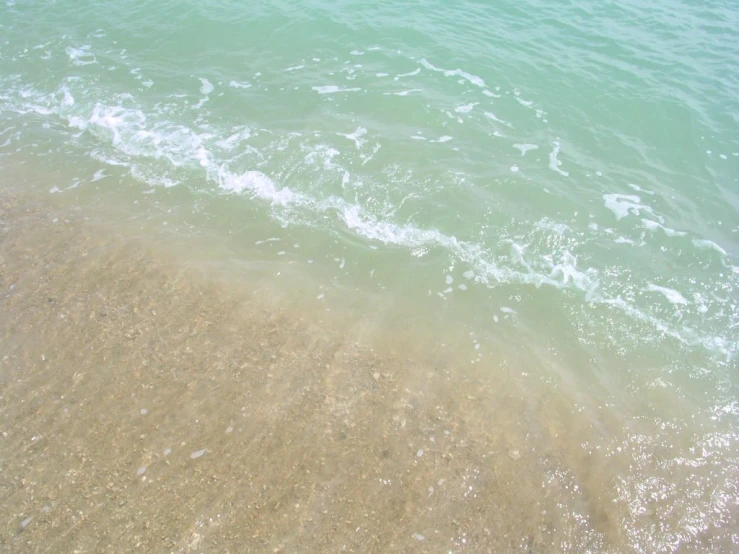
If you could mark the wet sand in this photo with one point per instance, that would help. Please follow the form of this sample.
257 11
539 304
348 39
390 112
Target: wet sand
148 404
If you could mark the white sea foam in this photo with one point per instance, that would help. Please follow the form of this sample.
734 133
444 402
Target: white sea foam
324 153
206 87
708 245
258 184
637 188
356 136
523 148
624 204
68 99
234 139
653 226
133 133
368 157
474 79
403 92
236 84
99 174
549 225
671 294
332 89
466 108
81 56
554 163
410 74
493 117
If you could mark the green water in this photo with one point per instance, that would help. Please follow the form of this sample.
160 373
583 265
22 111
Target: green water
561 179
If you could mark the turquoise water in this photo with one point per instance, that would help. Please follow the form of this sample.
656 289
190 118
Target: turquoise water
562 179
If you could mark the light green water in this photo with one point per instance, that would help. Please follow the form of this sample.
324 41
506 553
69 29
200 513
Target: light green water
562 179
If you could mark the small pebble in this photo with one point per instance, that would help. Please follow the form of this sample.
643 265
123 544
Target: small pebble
25 522
167 451
144 411
420 452
141 470
418 536
229 429
197 454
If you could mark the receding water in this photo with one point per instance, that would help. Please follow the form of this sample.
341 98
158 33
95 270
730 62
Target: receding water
554 182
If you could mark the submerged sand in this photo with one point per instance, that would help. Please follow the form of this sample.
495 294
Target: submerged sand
150 405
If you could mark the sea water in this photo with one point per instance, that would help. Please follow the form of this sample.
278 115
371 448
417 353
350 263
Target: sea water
555 179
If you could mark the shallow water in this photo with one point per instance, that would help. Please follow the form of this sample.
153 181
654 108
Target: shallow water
544 197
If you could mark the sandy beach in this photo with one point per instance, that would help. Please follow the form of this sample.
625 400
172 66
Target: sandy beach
146 406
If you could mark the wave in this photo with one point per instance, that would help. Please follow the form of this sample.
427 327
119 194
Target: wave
162 152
